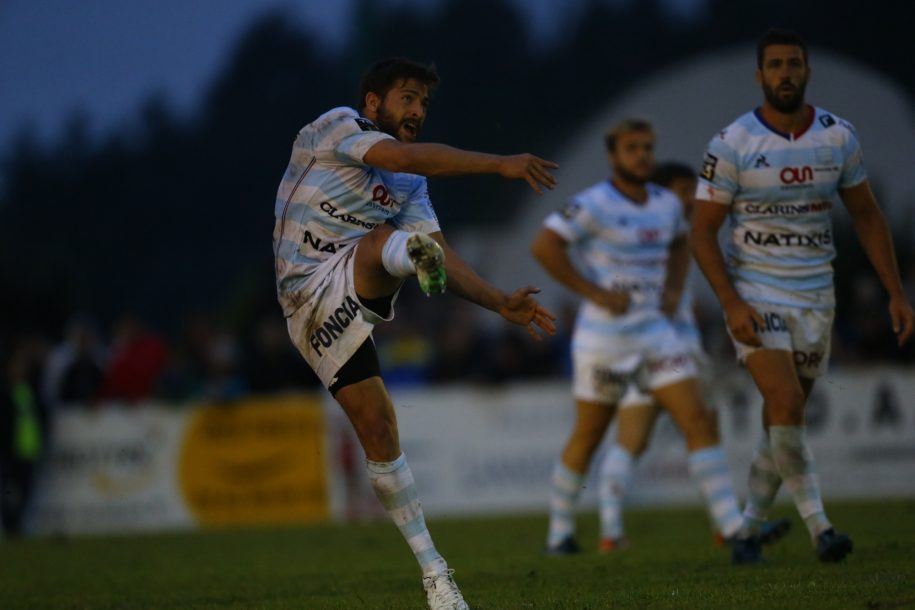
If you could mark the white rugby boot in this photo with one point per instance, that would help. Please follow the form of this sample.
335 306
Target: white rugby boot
429 259
442 592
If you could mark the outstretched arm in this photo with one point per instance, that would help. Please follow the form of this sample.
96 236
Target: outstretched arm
551 250
877 241
426 159
707 219
518 308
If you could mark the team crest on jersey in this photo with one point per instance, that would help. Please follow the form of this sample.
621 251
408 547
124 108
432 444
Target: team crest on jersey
570 210
827 121
366 125
708 166
823 154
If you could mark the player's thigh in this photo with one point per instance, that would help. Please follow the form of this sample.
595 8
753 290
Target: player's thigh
371 412
371 279
634 424
683 400
775 374
591 420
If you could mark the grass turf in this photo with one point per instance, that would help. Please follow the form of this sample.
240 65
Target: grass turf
672 564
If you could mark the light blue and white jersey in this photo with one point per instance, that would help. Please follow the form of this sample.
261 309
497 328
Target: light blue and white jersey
329 198
781 188
623 245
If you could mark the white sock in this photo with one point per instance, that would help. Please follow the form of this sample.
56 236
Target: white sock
393 484
794 461
394 255
762 484
615 476
710 471
565 486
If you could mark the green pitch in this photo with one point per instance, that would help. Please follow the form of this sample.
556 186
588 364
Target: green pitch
672 564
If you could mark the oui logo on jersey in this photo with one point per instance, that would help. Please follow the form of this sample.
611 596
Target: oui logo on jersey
382 198
796 175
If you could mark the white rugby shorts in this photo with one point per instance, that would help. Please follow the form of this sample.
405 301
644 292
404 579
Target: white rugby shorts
332 324
604 377
806 333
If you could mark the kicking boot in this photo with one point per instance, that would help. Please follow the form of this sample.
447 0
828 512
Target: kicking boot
442 592
832 547
568 546
429 259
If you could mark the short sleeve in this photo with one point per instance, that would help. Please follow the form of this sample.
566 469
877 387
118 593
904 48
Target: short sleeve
352 147
718 180
417 214
853 172
573 222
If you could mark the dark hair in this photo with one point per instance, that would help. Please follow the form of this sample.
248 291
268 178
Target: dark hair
623 127
381 77
665 173
773 37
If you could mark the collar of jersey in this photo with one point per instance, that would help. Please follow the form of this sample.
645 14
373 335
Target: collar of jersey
757 112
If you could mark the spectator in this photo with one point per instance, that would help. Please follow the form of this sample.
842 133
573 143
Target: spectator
137 363
75 368
23 432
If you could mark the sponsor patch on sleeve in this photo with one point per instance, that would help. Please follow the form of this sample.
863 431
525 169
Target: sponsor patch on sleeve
708 166
365 124
827 121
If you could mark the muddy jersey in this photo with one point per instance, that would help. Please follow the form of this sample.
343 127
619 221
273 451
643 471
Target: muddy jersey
781 189
623 245
329 198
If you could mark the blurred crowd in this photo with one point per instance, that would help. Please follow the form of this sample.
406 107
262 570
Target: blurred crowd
131 362
90 366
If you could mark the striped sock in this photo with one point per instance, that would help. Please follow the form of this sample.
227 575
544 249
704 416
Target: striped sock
763 484
393 484
710 471
565 486
394 256
794 461
615 475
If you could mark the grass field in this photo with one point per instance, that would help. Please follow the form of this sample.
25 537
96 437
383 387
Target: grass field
672 565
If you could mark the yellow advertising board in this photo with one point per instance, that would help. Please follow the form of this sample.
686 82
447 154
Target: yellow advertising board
256 461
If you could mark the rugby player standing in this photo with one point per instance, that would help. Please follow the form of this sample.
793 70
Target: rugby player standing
775 172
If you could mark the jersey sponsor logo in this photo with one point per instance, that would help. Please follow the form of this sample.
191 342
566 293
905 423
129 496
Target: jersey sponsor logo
812 240
796 175
317 244
335 325
772 323
668 363
811 359
602 376
826 120
366 125
381 196
788 209
649 235
329 209
708 166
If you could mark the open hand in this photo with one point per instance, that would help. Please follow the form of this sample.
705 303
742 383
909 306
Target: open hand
615 301
902 317
742 321
522 309
534 170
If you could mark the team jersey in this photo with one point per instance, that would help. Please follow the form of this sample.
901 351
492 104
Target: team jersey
329 198
623 245
781 188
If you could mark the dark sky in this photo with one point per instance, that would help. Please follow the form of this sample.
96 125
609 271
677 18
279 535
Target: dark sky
105 56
